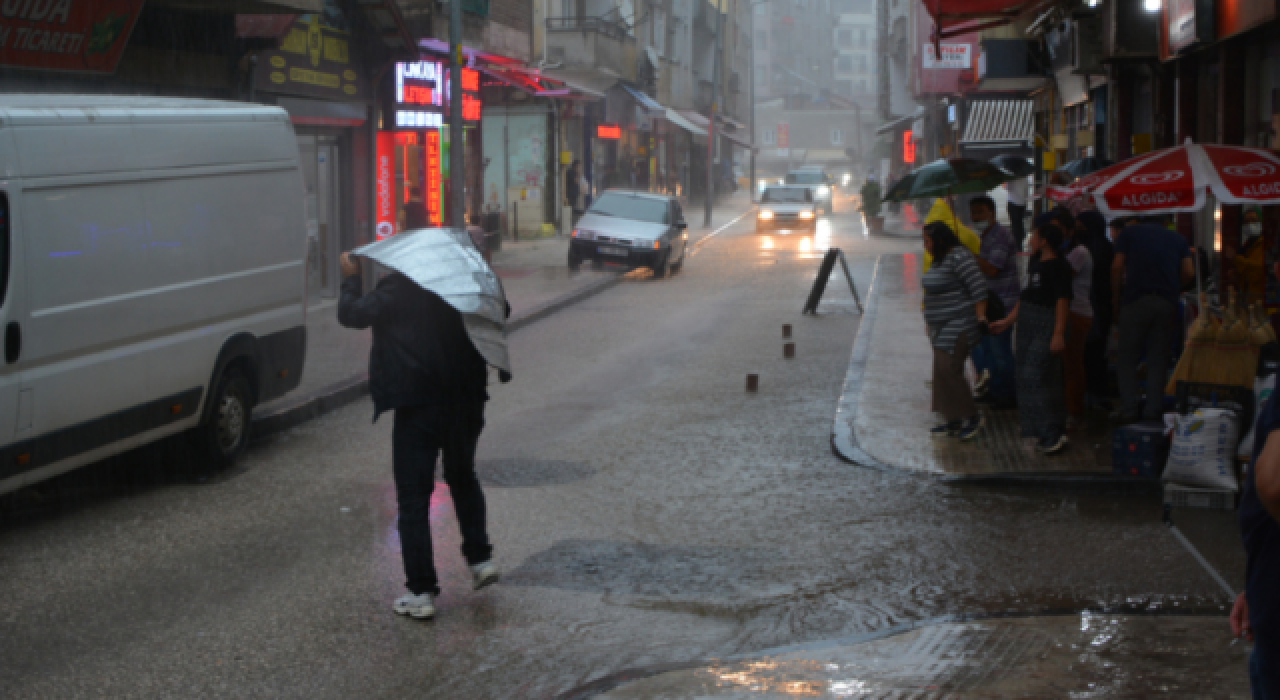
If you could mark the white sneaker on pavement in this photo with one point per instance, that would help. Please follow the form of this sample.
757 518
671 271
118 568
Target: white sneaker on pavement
484 574
418 607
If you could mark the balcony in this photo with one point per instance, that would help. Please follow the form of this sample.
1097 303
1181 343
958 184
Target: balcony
593 43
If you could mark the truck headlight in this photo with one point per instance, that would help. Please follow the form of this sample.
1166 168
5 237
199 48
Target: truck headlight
766 214
806 215
824 191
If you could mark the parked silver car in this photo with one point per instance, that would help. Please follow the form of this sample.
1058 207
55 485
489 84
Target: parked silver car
787 207
637 229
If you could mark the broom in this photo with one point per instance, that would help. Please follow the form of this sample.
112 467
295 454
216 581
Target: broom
1197 359
1234 359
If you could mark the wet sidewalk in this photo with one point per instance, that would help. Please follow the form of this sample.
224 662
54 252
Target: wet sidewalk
537 281
885 412
1066 656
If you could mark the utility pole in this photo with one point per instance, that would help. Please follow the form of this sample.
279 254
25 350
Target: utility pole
751 95
457 179
715 103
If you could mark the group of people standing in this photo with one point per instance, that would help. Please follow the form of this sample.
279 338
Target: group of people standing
1077 282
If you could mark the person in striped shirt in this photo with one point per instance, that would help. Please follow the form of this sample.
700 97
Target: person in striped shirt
955 303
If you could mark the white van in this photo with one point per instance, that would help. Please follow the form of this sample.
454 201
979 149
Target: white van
152 275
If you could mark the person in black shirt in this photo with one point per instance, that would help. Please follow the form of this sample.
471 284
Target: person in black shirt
1041 315
1256 615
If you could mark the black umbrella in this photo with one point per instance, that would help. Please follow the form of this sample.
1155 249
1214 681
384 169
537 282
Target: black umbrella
1014 165
1084 166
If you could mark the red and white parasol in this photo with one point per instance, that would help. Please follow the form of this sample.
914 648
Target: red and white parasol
1176 179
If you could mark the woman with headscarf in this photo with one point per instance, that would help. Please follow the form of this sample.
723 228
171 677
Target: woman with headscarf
955 303
1041 315
1251 260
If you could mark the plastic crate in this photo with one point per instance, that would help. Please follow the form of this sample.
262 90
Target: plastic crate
1139 449
1180 496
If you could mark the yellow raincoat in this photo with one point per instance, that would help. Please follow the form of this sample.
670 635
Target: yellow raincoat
941 211
1251 266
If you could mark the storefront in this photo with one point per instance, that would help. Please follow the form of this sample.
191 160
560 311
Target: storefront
317 78
412 166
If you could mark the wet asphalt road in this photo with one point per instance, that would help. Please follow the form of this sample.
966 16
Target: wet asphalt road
646 510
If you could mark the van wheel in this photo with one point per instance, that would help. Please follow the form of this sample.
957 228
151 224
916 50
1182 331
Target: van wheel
661 268
575 263
224 436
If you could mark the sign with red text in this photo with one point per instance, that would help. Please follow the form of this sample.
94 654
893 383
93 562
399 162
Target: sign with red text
385 177
784 135
954 56
611 132
908 148
435 180
78 36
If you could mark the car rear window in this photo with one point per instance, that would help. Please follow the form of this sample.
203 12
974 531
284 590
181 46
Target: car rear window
654 211
806 178
786 194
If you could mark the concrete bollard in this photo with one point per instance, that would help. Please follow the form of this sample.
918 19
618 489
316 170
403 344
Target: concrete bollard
786 330
753 382
789 350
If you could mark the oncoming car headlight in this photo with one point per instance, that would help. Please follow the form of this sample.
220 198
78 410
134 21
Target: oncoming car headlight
824 191
766 214
806 215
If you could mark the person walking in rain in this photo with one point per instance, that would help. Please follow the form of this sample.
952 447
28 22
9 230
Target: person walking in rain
955 304
424 366
573 187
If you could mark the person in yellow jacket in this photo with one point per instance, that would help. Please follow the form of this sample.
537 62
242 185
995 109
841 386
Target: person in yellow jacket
1251 260
942 211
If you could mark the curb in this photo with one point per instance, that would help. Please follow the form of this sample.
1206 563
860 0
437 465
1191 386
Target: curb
844 439
334 396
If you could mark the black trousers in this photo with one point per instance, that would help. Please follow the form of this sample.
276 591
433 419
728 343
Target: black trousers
1095 353
1017 222
421 434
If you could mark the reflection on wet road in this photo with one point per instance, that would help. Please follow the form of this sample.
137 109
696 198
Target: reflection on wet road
647 512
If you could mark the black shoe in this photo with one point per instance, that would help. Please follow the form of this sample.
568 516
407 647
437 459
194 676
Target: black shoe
971 427
1052 445
946 429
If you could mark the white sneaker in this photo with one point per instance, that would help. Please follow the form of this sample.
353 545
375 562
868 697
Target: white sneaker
416 606
484 574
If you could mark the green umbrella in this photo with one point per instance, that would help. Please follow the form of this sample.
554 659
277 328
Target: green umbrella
947 177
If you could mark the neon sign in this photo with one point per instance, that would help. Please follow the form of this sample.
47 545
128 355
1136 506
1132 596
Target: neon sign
419 94
908 147
434 186
471 108
470 80
414 119
612 132
386 182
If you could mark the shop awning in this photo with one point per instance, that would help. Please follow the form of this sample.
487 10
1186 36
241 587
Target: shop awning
899 123
695 118
531 83
647 103
589 83
676 118
955 17
1000 123
740 138
739 126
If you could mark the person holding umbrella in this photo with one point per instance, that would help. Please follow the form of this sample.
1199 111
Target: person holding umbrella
429 363
955 303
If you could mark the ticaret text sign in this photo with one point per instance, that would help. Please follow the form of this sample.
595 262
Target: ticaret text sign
78 36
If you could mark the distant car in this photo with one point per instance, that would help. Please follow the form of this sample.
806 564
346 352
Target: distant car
637 229
817 180
787 207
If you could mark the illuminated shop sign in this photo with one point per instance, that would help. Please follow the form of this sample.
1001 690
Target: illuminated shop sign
416 119
435 190
386 179
612 132
908 148
424 85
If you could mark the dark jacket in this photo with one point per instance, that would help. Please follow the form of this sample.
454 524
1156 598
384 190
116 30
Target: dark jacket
422 355
571 187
